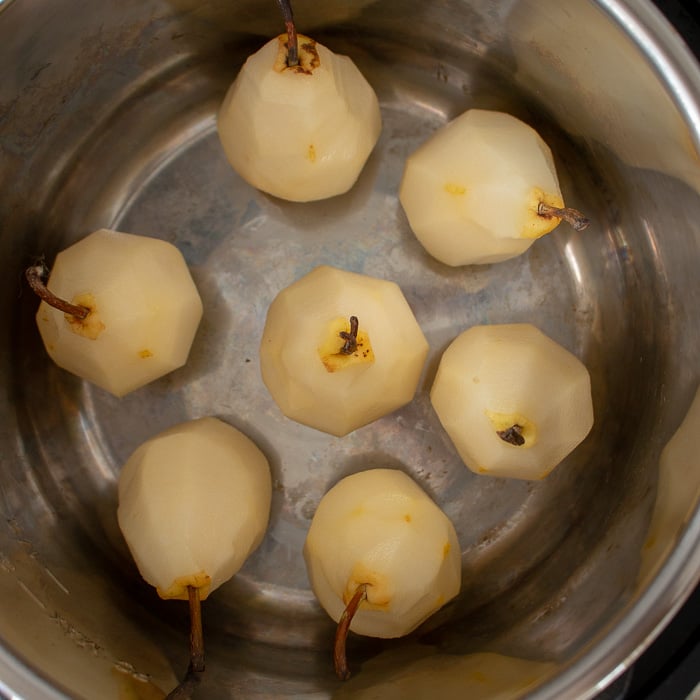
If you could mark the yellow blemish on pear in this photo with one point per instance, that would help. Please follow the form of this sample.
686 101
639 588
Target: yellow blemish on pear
504 421
379 590
178 588
309 59
89 327
452 188
535 225
329 351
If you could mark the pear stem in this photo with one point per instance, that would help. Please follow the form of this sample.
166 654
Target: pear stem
341 633
292 41
512 435
573 217
35 276
196 633
350 338
196 667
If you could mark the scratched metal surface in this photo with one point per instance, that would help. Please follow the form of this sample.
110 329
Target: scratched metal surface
121 133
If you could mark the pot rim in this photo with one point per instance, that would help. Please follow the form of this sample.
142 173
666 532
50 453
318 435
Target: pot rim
638 624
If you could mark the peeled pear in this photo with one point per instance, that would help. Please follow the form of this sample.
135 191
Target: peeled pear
379 528
144 310
194 503
420 671
302 358
513 401
472 192
300 132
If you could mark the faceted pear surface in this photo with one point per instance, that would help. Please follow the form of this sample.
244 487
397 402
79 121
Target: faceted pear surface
472 191
194 502
145 310
300 352
300 133
378 527
514 380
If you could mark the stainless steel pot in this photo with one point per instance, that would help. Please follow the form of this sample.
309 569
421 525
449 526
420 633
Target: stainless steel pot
107 119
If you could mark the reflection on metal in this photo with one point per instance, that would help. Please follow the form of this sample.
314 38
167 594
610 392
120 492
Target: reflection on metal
108 117
677 493
589 70
415 673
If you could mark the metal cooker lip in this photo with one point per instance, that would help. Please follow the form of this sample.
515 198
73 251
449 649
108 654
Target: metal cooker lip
22 681
641 621
666 52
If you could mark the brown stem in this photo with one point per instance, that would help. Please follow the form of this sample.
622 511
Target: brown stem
512 435
196 667
341 633
292 41
350 338
35 276
196 634
573 217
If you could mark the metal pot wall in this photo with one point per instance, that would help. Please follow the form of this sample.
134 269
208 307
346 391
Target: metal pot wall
107 119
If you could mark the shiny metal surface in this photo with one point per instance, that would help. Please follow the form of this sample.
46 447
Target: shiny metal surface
107 119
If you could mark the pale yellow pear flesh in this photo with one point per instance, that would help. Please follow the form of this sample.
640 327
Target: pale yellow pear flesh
419 671
299 133
492 378
471 192
317 386
378 527
144 310
194 503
